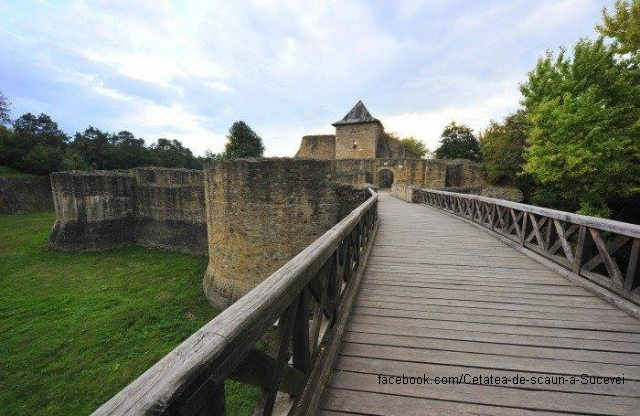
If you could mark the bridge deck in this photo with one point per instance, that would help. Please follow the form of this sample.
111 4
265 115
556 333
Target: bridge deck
442 298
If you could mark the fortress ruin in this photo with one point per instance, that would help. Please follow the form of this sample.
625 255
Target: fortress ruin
249 216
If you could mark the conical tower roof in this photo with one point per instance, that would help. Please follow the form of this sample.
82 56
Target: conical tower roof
358 114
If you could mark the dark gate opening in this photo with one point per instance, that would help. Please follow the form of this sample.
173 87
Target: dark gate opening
385 179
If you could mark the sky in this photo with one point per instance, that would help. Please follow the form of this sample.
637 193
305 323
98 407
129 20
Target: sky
187 70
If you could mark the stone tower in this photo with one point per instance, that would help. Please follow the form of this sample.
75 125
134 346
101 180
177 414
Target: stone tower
358 134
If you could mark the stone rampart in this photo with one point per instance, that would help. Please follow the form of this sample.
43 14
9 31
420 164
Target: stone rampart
94 210
153 207
261 213
19 195
317 147
170 210
405 192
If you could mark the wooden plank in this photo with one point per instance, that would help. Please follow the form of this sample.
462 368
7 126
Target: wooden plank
309 401
489 361
500 329
633 328
496 338
617 227
476 347
256 368
489 297
492 395
490 305
380 366
471 285
488 312
359 402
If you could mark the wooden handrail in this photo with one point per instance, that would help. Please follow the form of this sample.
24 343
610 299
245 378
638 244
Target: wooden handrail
190 379
603 251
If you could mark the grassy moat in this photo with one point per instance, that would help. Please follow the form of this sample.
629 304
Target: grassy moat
75 328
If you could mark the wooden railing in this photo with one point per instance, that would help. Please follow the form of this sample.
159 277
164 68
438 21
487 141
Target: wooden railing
601 250
309 298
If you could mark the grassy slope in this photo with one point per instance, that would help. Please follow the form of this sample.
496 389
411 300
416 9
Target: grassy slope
75 328
7 171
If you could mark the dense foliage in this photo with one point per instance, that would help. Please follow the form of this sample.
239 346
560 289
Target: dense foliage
458 142
623 26
575 145
35 144
502 149
5 110
242 141
416 146
583 149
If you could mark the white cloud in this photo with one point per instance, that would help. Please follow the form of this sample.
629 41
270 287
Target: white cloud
218 86
188 69
427 126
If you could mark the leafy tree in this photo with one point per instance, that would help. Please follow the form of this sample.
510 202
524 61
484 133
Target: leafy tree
5 110
94 144
502 148
172 154
416 146
243 142
583 147
623 26
32 133
458 142
104 150
130 152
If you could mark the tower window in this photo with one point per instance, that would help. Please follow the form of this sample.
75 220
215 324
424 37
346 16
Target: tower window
355 145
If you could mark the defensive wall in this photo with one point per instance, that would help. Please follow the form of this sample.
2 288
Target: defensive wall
250 216
261 213
152 207
19 195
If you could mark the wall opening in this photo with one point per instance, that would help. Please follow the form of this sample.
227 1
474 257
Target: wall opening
385 178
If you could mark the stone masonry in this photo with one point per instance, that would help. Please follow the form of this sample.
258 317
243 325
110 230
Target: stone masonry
261 213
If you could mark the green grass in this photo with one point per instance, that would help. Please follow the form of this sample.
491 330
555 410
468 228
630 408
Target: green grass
75 328
7 171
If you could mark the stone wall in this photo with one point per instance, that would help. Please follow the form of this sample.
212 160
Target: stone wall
170 209
405 192
261 213
153 207
358 141
94 210
25 194
318 147
463 173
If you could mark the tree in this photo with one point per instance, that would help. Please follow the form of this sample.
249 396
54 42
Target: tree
5 110
502 148
583 148
458 142
172 154
623 26
243 142
94 144
416 146
33 133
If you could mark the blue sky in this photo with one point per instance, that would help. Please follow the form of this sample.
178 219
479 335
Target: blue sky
187 69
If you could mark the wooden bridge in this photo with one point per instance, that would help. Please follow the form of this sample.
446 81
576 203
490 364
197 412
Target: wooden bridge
455 304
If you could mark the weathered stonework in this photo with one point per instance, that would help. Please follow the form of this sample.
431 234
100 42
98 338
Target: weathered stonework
19 195
94 210
358 141
170 210
261 213
321 147
152 207
405 192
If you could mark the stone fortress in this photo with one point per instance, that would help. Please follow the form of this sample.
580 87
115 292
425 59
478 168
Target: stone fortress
249 216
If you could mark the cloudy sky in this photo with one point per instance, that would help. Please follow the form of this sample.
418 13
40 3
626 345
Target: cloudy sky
187 69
